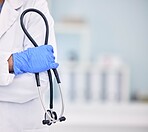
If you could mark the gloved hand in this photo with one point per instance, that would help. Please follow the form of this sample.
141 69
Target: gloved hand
34 60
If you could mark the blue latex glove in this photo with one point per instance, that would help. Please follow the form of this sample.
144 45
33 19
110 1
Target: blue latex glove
34 60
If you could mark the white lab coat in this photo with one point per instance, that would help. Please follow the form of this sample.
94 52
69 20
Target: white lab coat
21 89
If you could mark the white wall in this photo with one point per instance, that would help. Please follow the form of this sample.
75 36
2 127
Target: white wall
117 27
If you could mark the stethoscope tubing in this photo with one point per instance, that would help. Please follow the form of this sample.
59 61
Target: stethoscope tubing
49 71
36 45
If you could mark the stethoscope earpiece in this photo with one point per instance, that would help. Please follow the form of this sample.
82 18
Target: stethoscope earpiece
62 119
50 115
46 122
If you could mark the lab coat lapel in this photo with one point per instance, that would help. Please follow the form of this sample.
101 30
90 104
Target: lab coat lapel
9 15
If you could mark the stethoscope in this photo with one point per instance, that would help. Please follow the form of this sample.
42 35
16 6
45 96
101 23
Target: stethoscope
50 115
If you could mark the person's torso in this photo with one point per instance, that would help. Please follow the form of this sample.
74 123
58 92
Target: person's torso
12 38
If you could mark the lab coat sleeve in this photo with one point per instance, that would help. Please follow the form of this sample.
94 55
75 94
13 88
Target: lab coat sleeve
5 77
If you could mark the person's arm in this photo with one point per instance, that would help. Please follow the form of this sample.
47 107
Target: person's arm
35 27
10 63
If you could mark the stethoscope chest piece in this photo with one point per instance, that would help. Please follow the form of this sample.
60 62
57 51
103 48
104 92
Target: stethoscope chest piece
54 116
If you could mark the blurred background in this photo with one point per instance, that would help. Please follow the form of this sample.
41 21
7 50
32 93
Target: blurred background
102 51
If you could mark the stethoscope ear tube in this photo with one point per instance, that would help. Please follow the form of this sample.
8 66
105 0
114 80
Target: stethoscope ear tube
30 37
57 76
25 30
47 113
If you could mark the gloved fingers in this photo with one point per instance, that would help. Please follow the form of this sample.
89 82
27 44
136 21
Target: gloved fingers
53 65
43 49
32 60
49 48
51 58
